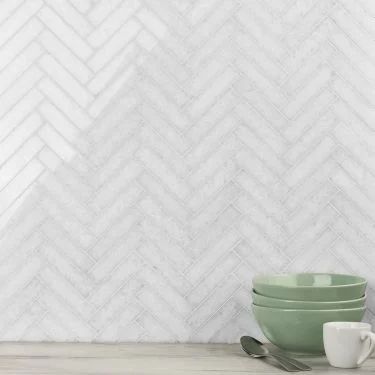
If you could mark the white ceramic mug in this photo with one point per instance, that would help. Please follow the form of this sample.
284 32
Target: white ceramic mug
348 344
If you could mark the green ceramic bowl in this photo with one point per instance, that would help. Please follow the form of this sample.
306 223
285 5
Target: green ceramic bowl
277 303
301 331
311 286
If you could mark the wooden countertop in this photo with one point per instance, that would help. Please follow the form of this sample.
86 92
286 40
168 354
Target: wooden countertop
141 359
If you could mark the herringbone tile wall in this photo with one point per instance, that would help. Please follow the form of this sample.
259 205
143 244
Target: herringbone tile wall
156 154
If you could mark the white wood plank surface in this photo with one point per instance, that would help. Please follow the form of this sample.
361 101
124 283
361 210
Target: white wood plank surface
142 359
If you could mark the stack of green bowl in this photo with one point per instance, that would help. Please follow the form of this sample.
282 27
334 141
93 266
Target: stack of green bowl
292 308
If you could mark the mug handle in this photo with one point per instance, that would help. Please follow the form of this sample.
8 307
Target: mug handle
371 336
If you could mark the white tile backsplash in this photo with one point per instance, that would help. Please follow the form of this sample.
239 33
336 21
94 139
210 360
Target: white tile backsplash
156 154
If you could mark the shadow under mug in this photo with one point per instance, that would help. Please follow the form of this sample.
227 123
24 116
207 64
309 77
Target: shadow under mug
348 344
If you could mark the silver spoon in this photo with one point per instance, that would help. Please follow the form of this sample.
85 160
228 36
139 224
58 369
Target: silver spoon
256 349
293 361
285 364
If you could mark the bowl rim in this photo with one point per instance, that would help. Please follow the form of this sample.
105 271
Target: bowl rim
310 310
363 298
259 277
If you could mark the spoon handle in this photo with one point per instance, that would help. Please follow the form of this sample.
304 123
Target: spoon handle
294 362
284 363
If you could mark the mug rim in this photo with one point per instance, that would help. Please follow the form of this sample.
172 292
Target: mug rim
348 325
